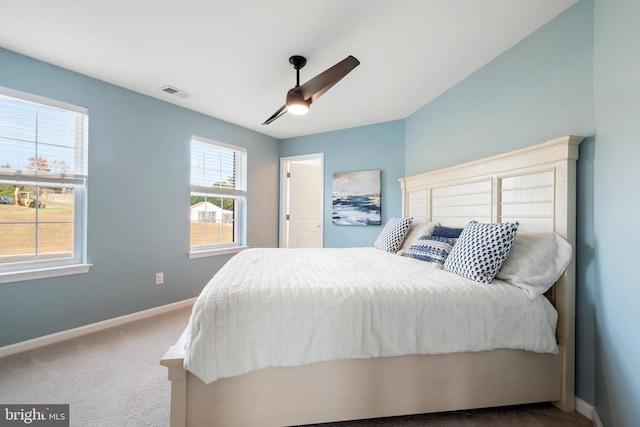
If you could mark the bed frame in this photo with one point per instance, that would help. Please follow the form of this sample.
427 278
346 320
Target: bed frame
534 185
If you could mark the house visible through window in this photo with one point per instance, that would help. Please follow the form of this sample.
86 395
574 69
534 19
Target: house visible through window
218 194
43 174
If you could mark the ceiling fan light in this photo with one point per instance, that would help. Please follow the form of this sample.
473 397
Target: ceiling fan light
298 107
296 104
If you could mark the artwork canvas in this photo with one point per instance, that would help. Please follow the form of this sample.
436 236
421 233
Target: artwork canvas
356 198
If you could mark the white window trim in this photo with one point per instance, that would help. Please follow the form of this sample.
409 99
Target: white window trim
195 254
43 273
203 251
62 267
42 100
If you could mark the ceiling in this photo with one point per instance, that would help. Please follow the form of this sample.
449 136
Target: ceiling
231 57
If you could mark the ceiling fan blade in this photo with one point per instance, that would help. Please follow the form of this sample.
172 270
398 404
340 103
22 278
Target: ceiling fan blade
317 86
275 115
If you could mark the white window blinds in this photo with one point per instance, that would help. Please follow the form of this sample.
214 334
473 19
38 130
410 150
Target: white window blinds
217 168
42 141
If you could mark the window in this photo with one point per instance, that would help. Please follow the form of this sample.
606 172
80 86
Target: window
218 195
43 175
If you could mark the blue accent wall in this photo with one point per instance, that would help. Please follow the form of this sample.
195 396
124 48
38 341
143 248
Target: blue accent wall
616 181
540 89
379 146
138 210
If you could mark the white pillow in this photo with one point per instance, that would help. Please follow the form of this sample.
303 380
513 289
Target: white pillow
392 235
417 230
536 262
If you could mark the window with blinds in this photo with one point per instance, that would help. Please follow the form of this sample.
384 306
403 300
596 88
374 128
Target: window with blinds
43 175
218 194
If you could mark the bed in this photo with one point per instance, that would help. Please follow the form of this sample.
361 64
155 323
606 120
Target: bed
534 187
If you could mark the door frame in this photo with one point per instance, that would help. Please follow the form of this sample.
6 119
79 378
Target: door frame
284 194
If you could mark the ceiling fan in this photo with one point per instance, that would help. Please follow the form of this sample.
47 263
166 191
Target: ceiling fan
301 97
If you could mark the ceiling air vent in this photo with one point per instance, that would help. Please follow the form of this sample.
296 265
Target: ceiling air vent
175 91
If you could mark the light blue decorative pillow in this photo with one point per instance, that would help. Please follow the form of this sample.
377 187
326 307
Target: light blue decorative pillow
393 234
431 249
481 250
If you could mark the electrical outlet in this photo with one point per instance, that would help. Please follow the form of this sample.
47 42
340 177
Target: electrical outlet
159 278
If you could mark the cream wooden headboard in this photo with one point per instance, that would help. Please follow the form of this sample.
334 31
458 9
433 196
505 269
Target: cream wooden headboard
535 186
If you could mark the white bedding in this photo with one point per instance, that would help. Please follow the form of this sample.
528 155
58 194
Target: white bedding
289 307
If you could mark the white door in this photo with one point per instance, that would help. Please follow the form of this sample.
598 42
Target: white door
303 208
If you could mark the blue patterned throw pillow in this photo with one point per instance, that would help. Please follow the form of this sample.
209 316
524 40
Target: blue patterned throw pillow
481 250
431 249
446 232
393 234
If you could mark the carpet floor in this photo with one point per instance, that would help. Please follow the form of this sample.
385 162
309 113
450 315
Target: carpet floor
113 378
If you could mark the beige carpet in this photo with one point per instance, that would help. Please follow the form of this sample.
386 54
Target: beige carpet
113 379
538 415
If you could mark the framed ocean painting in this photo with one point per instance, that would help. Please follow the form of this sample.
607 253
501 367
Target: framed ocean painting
356 198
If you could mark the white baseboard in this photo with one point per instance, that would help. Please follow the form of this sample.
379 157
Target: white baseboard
19 347
583 408
588 411
596 419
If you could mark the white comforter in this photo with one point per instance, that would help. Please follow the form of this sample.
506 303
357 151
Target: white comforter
289 307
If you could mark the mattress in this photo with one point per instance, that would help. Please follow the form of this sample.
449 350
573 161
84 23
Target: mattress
290 307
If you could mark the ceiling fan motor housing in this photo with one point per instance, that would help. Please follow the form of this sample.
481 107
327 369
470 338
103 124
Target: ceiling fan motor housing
297 61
